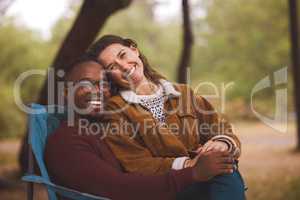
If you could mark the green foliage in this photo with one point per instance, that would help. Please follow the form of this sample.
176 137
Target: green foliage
21 50
241 41
237 40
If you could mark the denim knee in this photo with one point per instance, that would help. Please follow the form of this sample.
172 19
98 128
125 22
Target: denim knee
227 186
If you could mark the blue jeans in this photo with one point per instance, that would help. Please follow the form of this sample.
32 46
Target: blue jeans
222 187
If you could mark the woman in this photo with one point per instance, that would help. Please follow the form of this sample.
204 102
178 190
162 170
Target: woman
155 125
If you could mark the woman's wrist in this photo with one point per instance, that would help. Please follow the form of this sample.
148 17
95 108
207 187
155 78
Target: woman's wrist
187 163
226 139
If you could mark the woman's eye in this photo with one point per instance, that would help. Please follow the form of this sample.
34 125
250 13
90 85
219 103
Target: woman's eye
123 55
113 67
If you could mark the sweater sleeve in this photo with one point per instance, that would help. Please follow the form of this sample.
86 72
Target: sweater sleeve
74 163
213 126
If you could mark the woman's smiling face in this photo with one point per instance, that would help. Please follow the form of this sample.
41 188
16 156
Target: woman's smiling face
124 64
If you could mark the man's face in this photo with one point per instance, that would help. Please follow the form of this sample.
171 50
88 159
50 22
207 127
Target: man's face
87 89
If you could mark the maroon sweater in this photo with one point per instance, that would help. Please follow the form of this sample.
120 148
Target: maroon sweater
85 163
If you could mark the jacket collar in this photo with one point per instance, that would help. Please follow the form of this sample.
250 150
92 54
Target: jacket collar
167 86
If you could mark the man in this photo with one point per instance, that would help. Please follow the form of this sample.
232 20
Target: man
77 157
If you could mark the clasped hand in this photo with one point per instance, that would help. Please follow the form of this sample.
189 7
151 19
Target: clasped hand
212 159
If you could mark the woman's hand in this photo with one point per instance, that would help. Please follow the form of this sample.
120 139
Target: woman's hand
216 146
213 145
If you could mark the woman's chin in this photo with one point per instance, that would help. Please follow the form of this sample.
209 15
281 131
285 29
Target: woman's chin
130 83
124 84
136 81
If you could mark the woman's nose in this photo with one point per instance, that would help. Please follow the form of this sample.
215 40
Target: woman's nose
122 64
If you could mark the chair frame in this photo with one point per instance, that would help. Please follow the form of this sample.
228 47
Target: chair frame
52 189
30 185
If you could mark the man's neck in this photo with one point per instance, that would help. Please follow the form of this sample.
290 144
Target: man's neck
89 118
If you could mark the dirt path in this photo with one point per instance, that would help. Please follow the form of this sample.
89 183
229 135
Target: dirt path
269 163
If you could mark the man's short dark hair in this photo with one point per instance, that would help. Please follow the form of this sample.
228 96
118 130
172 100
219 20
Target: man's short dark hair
77 62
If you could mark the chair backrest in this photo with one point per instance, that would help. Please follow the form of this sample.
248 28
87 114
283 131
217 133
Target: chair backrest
43 120
41 124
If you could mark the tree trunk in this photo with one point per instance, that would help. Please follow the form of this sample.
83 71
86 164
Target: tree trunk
187 44
91 18
295 52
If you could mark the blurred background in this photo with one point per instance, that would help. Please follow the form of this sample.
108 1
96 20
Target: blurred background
237 43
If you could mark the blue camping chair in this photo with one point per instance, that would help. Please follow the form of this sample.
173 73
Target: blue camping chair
41 124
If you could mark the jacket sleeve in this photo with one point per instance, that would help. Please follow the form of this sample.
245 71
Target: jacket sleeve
74 163
124 141
213 126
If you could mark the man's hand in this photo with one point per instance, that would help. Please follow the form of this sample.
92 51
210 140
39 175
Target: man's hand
212 163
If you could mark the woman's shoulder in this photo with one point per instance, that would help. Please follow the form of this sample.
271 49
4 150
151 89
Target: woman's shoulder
173 87
189 94
117 105
115 101
183 89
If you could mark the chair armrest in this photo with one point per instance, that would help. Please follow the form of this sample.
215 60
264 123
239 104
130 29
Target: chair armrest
62 191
